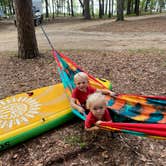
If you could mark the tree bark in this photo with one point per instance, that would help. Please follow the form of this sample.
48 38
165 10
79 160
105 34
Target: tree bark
100 9
106 7
109 9
86 10
47 13
72 10
27 44
92 8
129 7
112 8
137 7
120 8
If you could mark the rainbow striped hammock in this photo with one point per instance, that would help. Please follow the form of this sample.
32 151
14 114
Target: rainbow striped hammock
132 114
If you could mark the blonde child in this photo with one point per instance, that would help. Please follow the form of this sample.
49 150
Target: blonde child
96 103
82 91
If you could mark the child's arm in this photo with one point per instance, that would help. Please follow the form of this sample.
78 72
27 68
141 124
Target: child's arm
89 123
106 92
92 128
76 106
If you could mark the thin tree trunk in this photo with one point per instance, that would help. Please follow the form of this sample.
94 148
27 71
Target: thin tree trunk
129 7
82 5
109 9
112 7
10 8
92 8
53 9
13 7
137 7
86 10
100 9
106 7
72 10
68 7
47 12
120 8
27 44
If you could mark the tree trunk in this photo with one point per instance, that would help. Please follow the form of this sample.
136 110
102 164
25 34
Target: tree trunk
106 7
86 10
72 10
92 8
120 8
53 9
109 9
68 7
129 7
100 9
112 8
27 44
82 5
47 13
137 7
10 8
13 7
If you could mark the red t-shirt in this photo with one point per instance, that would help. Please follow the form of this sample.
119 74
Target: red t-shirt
82 96
91 119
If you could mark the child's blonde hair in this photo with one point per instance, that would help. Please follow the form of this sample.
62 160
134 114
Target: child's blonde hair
80 75
94 98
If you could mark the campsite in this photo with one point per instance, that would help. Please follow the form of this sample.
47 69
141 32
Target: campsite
130 54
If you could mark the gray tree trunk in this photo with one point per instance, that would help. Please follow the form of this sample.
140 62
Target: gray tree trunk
47 12
120 8
137 2
72 10
87 10
27 44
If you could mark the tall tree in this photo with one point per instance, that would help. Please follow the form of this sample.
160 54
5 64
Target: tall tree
87 10
137 7
47 12
72 10
129 6
82 5
27 44
120 8
112 8
101 8
109 9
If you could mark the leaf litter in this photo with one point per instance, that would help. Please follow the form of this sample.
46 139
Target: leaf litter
137 72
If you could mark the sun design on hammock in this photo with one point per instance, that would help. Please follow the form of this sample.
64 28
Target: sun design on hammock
15 111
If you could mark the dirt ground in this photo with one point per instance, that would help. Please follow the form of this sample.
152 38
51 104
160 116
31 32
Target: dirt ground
141 70
135 33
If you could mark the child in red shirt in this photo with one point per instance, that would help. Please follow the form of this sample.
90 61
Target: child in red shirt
82 91
98 111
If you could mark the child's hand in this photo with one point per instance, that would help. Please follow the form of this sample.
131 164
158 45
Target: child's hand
113 94
96 128
92 128
98 122
81 110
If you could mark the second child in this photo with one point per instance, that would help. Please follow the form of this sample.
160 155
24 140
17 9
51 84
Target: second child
98 111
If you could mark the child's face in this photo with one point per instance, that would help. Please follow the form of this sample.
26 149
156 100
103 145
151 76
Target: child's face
98 109
81 84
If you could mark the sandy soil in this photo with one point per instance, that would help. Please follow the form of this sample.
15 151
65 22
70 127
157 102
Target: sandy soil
134 33
140 71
